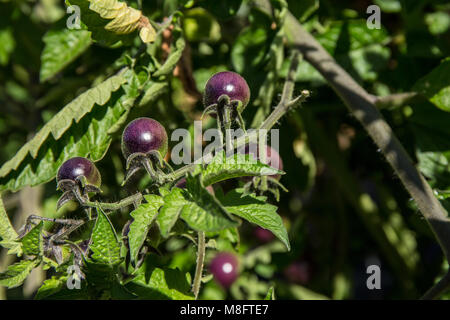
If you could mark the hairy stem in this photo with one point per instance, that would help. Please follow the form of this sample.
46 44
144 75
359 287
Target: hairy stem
135 198
227 128
262 157
397 100
200 262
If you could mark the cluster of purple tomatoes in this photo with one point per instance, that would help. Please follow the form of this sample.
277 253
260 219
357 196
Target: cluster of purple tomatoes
146 138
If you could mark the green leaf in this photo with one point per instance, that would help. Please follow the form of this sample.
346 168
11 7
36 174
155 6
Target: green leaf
432 135
61 48
302 293
270 294
224 240
360 51
160 284
438 22
203 212
237 165
197 207
249 49
152 91
143 217
7 47
50 287
56 288
32 242
389 6
256 210
436 86
7 232
200 25
104 244
170 212
16 274
111 22
90 136
52 135
124 19
8 235
176 51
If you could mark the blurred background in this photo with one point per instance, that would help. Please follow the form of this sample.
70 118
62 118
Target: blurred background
345 209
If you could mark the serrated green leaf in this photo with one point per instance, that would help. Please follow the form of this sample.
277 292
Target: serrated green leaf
143 217
61 48
16 273
256 210
56 288
152 91
104 244
7 232
49 287
90 136
8 235
162 284
124 19
115 33
197 207
32 242
436 86
13 247
155 283
237 165
170 212
61 122
203 212
100 275
111 20
176 51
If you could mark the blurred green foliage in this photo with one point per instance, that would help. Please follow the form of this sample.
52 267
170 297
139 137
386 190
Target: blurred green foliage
345 209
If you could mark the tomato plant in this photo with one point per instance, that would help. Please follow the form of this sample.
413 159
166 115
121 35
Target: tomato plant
204 149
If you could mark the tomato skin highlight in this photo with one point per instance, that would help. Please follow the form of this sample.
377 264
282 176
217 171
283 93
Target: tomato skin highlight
228 83
144 135
79 166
